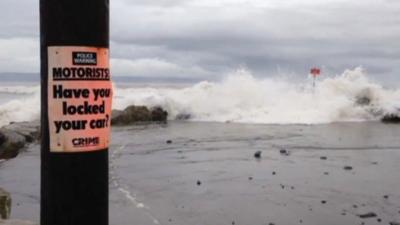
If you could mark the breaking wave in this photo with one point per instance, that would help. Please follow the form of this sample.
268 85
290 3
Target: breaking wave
242 98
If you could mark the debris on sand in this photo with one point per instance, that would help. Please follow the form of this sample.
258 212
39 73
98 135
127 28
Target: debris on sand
284 152
348 168
386 196
257 154
367 215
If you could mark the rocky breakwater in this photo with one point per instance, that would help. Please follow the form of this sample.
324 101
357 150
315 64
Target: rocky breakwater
16 136
138 115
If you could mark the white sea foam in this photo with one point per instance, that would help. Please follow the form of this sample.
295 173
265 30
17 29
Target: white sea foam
241 97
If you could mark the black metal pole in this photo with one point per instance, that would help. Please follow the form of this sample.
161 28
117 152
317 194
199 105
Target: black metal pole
74 157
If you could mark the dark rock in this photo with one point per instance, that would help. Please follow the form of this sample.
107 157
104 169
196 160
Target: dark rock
391 118
284 152
379 220
2 138
323 201
347 168
30 130
386 196
116 114
273 173
158 114
198 183
355 206
394 223
250 178
323 158
169 142
12 144
5 204
326 173
138 114
257 154
367 215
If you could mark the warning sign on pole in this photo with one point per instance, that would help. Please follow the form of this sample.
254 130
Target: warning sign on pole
79 98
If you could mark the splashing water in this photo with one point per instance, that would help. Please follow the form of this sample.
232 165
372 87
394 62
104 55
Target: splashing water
241 97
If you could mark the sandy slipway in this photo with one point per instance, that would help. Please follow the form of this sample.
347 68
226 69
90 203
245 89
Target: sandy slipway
16 136
189 173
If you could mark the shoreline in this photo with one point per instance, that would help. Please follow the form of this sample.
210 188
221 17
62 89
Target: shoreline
209 173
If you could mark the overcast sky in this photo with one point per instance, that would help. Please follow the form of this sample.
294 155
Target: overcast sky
208 38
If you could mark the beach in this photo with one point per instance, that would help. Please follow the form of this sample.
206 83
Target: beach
206 173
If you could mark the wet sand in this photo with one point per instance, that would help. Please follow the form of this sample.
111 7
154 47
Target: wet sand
193 173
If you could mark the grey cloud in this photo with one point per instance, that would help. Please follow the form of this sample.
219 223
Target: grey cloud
209 38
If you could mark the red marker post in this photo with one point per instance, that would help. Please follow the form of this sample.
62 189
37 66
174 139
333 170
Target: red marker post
315 72
76 95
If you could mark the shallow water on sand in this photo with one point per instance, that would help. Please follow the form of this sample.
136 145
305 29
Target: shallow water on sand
208 174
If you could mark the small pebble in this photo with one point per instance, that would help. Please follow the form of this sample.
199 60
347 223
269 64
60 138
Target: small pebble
326 173
273 173
323 158
323 202
257 154
284 152
169 142
198 183
367 215
250 178
379 220
386 196
347 168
